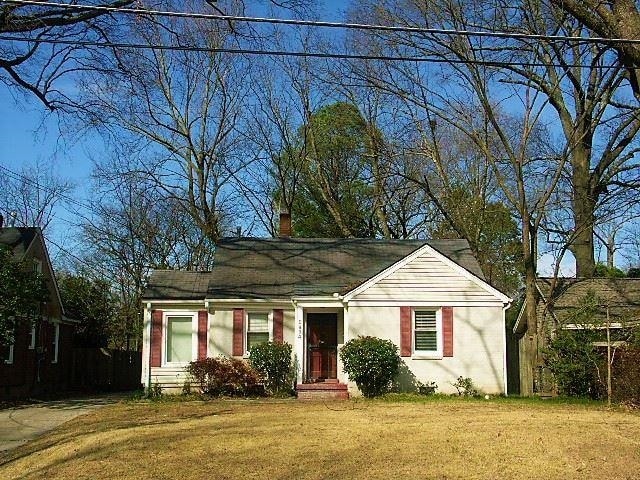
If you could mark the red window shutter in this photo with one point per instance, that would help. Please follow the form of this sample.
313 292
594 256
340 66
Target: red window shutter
405 331
203 323
156 338
278 325
238 332
447 331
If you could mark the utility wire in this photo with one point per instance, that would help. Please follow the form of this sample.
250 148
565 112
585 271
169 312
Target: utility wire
291 53
325 24
17 176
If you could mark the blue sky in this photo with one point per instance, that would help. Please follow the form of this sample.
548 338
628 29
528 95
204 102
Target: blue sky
29 134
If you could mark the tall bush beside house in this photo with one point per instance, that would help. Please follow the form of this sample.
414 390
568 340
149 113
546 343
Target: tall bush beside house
575 363
275 363
225 376
370 362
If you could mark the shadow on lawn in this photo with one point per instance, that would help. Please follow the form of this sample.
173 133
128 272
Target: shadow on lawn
74 430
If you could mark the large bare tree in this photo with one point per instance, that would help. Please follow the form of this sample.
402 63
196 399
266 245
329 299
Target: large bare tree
36 66
616 19
177 113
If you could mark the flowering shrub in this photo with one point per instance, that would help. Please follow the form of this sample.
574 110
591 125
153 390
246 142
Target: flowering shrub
225 376
370 362
274 362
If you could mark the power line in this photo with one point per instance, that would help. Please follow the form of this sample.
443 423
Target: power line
325 24
291 53
17 175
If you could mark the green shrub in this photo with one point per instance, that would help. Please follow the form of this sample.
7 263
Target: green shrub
225 376
575 363
428 388
370 362
465 387
275 363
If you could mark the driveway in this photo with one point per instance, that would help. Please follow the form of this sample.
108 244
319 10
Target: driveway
20 424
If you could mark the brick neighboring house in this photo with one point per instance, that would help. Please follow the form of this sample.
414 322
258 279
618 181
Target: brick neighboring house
40 360
557 309
429 298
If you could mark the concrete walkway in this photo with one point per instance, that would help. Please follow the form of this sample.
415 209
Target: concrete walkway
20 424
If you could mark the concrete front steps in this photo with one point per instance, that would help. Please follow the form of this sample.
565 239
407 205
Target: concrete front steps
330 389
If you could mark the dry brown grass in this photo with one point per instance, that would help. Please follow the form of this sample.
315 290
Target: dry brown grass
355 440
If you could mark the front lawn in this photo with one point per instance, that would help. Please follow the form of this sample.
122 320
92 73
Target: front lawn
287 439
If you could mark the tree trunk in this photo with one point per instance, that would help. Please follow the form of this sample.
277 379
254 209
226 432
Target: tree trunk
583 206
530 360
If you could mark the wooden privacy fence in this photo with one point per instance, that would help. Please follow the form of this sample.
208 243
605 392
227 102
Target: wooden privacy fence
103 369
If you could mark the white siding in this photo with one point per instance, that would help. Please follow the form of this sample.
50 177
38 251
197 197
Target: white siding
478 346
428 279
221 332
220 341
171 379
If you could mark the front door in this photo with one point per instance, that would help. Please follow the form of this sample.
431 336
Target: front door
322 346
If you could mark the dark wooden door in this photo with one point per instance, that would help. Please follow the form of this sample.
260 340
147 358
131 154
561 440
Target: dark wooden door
322 346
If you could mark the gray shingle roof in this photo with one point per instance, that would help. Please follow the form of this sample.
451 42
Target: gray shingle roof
621 295
177 284
282 268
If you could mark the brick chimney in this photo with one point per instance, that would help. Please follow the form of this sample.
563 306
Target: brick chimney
285 224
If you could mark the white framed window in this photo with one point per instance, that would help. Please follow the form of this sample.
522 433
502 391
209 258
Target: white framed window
427 333
37 266
257 329
181 337
56 342
32 338
8 354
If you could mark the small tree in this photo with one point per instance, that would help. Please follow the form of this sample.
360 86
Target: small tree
22 291
370 362
275 363
92 304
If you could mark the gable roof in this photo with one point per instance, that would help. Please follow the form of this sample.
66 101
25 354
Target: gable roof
21 240
621 295
280 268
612 291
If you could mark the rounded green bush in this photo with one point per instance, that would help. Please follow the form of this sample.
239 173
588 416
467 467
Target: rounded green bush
370 362
274 361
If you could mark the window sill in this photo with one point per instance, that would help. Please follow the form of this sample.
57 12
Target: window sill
426 356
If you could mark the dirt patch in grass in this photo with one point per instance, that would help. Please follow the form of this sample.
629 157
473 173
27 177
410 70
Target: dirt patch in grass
357 439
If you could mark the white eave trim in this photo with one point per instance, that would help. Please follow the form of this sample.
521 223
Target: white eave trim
149 302
66 319
258 301
447 261
422 303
